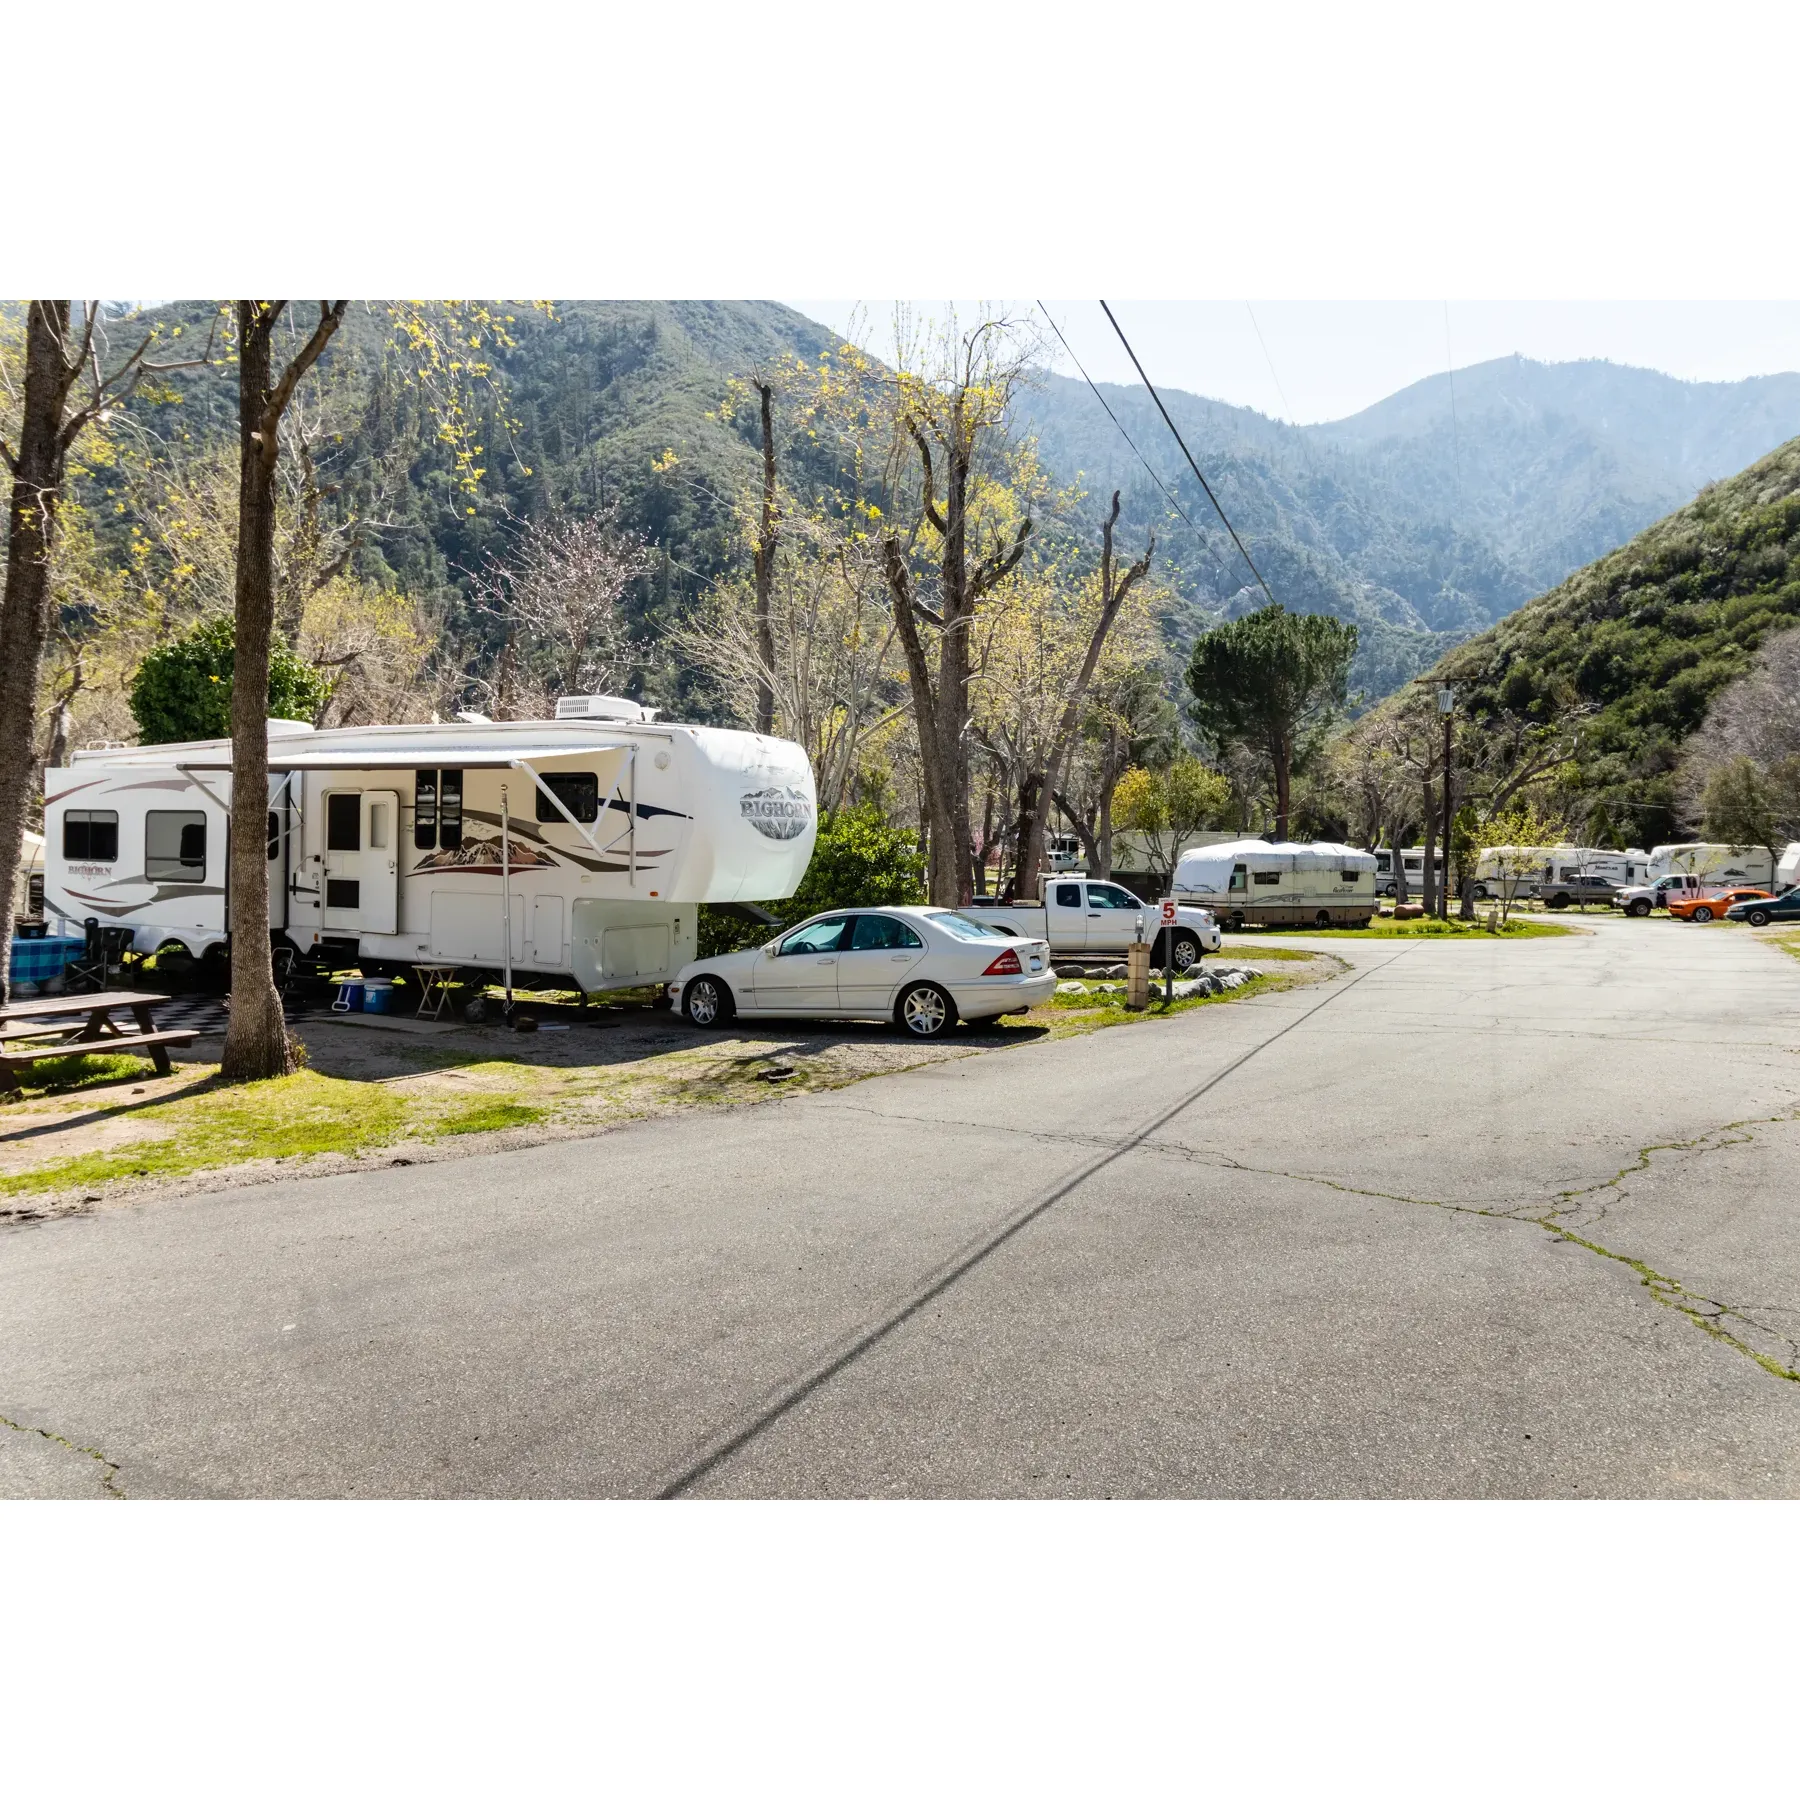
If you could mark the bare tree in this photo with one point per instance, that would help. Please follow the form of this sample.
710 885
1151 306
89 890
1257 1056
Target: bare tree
1757 717
66 387
558 596
1041 784
763 554
256 1042
950 416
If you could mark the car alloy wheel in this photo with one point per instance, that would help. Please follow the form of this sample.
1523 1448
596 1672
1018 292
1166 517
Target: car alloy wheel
707 1001
926 1011
1187 952
1759 917
1701 915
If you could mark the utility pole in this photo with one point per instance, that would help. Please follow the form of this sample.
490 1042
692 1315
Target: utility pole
1446 699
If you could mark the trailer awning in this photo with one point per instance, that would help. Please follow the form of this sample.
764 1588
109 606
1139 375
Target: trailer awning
286 756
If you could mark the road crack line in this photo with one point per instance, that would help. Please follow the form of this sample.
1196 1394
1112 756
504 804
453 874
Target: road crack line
108 1482
778 1400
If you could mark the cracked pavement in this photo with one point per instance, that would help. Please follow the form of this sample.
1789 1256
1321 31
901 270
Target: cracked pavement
1476 1219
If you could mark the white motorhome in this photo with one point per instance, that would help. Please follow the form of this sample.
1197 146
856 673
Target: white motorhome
1249 881
28 886
1531 867
578 848
1387 880
1787 871
1717 865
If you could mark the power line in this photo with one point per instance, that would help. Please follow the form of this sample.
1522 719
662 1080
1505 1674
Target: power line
1205 543
1285 407
1185 451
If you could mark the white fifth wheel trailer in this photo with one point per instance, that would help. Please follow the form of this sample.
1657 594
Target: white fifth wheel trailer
583 846
1253 882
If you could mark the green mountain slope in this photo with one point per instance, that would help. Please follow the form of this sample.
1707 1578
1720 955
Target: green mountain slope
1635 646
1431 514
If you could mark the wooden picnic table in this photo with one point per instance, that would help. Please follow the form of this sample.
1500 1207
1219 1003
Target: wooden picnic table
78 1023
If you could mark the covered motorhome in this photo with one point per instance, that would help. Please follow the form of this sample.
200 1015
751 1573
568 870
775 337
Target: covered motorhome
1787 871
1717 865
576 850
1248 881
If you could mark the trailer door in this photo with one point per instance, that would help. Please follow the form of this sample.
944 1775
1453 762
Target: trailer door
362 861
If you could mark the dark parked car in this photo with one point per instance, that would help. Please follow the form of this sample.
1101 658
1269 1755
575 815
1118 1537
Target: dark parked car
1783 909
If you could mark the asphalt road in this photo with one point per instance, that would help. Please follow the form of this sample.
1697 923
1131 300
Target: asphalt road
1406 1233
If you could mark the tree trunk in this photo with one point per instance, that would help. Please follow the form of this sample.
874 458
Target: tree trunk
256 1043
1284 764
1034 807
764 558
25 614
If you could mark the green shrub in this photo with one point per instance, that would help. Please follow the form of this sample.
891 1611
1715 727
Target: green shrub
182 689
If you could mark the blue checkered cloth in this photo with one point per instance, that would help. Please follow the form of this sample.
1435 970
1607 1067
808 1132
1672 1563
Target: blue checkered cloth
40 959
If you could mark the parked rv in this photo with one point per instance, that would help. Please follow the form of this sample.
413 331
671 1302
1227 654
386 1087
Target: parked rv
1787 871
1411 863
1253 882
1682 871
28 887
1079 917
572 852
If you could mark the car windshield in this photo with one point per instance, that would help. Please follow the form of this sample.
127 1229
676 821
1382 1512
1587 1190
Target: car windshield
958 926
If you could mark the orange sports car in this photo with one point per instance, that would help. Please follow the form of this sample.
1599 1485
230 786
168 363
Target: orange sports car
1701 907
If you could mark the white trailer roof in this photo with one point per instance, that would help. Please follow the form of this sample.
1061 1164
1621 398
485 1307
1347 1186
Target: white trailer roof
1210 866
492 746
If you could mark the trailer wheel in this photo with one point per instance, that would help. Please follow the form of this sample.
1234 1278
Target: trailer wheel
1321 917
925 1011
707 1002
1478 891
1639 909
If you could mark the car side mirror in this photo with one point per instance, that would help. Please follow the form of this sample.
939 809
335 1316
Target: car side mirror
771 949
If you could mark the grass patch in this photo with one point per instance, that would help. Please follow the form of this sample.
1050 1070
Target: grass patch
297 1115
1448 928
1241 952
489 1115
63 1074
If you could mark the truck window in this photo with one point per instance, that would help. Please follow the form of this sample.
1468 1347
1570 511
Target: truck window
175 846
91 837
1068 893
1099 894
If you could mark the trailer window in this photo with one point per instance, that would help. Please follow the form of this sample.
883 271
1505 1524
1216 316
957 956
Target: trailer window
1268 878
450 796
274 836
1238 882
175 846
425 790
1347 875
91 837
579 793
343 821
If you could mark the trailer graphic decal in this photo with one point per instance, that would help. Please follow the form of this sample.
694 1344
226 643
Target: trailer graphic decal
778 813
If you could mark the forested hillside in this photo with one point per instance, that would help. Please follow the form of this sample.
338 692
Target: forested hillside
1435 512
1628 654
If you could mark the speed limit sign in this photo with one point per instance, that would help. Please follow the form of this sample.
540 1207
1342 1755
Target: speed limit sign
1168 912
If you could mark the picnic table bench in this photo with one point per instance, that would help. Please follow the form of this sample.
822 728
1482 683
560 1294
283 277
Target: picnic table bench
79 1023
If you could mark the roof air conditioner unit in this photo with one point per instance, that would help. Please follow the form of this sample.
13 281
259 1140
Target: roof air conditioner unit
604 706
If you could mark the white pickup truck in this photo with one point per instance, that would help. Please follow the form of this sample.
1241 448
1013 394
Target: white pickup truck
1091 919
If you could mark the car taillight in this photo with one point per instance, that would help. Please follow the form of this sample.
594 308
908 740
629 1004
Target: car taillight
1006 963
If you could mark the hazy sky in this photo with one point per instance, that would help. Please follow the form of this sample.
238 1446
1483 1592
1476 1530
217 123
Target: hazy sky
1323 359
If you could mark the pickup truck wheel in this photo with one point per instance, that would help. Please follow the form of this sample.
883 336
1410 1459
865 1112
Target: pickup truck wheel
1757 917
1639 909
925 1011
707 1001
1558 902
1701 915
1187 951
